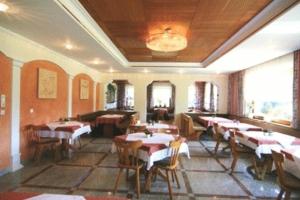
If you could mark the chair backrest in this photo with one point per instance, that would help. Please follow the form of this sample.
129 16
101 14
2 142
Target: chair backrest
32 133
174 147
278 160
216 134
187 124
128 152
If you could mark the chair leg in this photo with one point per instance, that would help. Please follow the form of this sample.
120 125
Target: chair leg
172 174
169 184
118 180
217 146
175 174
127 174
287 195
138 183
279 197
38 154
233 164
79 140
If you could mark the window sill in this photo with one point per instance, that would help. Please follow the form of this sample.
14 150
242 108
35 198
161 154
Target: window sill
271 122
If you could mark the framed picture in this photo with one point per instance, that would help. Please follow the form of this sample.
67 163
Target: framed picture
47 84
84 89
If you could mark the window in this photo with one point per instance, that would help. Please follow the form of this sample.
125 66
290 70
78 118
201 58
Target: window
191 96
268 90
161 94
129 95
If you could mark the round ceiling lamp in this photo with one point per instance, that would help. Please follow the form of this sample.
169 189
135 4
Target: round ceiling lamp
167 41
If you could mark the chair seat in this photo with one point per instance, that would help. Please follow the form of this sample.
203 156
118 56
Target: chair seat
244 149
292 181
164 163
46 140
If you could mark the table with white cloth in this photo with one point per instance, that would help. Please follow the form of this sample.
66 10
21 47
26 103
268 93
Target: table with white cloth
210 121
68 131
154 148
292 160
264 142
157 127
224 128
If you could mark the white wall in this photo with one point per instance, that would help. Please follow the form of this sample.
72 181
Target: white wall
22 49
181 81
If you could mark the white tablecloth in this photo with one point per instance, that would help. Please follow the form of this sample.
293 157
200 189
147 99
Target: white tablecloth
224 128
266 141
71 136
157 138
292 165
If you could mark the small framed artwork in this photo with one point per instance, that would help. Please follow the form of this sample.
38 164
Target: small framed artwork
84 89
47 84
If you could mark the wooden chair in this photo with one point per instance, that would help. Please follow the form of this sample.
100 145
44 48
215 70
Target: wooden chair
129 160
287 182
41 143
217 136
238 149
168 165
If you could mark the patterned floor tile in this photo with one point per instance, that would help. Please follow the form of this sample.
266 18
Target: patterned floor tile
104 178
83 159
60 176
41 190
201 163
266 188
99 147
199 151
214 184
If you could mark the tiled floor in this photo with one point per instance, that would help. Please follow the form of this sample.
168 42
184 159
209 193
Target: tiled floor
92 171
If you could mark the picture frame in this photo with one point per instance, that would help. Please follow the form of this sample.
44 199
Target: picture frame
84 89
47 84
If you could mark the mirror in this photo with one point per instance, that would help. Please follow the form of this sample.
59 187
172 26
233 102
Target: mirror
119 95
203 97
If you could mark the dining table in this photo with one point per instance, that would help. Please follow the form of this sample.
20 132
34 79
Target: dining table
109 119
292 160
154 147
45 196
107 124
68 131
225 127
158 127
208 121
263 142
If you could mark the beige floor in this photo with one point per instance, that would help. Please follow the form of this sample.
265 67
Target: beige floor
92 171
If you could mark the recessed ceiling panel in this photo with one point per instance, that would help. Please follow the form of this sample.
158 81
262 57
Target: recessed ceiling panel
207 24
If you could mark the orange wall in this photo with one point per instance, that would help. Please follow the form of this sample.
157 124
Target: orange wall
5 88
80 106
98 103
44 110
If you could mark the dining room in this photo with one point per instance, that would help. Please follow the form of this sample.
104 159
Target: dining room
120 99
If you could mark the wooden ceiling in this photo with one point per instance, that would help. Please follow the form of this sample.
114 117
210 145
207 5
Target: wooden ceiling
207 24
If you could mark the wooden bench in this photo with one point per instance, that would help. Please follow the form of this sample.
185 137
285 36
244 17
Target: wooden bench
191 129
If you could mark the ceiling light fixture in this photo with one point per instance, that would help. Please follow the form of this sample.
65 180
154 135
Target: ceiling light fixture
97 61
3 7
68 46
167 41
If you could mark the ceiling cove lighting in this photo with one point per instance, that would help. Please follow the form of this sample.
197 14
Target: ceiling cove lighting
3 7
167 41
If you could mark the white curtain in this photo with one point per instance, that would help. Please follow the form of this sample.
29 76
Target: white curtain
161 94
268 90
